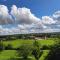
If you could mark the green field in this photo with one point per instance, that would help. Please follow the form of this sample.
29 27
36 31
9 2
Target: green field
6 54
17 43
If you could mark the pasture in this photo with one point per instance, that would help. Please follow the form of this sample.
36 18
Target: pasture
7 54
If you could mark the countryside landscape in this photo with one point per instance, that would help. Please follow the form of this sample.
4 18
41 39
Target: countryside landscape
30 46
29 29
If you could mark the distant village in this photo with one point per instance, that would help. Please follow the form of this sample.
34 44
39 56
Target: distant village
35 36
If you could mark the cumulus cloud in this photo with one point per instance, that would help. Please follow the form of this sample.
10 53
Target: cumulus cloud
5 18
48 20
22 20
23 15
56 14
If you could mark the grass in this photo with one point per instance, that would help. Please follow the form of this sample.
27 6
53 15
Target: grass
45 53
7 54
17 43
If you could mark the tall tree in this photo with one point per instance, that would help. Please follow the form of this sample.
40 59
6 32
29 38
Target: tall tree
24 51
54 53
36 50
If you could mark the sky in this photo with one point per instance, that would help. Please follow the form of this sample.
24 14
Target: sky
38 7
29 16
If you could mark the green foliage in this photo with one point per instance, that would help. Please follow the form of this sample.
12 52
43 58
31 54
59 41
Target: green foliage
7 54
25 50
54 53
1 46
9 47
36 50
46 47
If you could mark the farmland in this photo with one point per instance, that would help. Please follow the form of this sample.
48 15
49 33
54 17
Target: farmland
7 54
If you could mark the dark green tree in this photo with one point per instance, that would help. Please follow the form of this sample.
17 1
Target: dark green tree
36 50
1 46
24 51
54 53
9 47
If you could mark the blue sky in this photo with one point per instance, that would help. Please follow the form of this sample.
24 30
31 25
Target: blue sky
38 7
29 16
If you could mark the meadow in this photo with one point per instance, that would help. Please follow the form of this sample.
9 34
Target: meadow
7 54
18 42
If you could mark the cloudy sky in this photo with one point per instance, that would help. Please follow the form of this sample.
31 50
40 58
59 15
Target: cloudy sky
29 16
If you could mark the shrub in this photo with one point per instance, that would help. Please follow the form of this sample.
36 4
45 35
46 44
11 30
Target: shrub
1 46
8 47
54 53
45 47
36 50
24 51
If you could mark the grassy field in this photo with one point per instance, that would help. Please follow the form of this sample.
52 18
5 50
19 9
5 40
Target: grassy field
6 54
17 43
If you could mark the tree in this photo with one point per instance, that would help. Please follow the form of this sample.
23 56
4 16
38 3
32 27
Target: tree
1 46
9 47
24 51
54 53
36 50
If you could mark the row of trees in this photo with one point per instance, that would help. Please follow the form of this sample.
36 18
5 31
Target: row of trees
30 36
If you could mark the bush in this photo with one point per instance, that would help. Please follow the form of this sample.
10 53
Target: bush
1 46
36 50
8 47
24 51
54 53
45 47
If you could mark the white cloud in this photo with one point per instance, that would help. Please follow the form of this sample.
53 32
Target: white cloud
26 21
48 20
5 18
56 14
23 15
